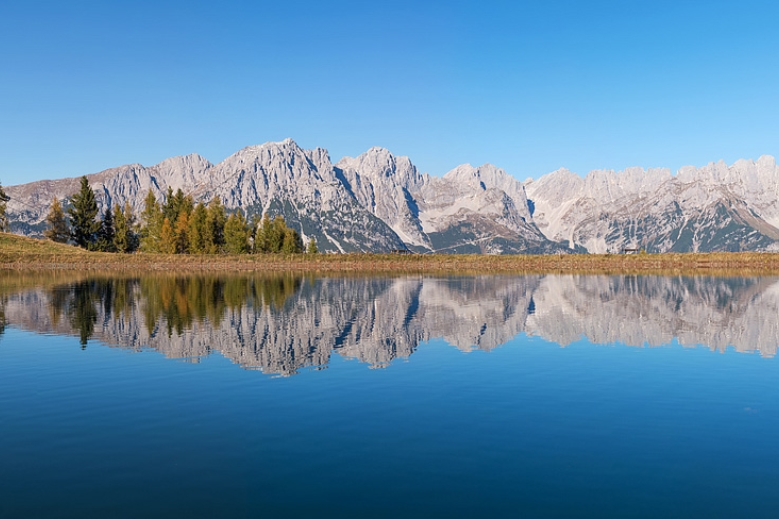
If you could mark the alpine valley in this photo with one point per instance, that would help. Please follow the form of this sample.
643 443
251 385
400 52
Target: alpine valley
378 202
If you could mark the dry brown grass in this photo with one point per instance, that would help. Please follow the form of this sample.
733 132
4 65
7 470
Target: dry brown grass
23 254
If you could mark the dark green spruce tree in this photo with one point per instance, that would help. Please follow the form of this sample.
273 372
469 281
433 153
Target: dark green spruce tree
125 239
107 232
84 225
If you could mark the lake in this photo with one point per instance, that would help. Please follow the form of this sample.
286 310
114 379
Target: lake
408 396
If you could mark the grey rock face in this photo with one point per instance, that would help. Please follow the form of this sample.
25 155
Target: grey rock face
714 208
476 210
383 184
480 210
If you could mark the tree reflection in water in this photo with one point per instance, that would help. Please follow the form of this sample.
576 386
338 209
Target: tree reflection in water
175 301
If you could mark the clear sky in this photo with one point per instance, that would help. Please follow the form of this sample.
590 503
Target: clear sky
527 86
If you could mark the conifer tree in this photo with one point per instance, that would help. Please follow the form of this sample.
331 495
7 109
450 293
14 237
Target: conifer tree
312 248
121 230
254 228
169 209
83 213
151 219
197 230
57 230
167 238
215 224
125 239
236 234
291 243
175 204
276 234
262 239
182 204
181 230
4 198
106 234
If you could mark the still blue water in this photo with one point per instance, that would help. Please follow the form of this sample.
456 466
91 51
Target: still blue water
112 426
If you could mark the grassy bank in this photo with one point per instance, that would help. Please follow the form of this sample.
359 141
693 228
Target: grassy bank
24 254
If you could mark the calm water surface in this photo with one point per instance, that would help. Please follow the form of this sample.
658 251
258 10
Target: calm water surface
535 396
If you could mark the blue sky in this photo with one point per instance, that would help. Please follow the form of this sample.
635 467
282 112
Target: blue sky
528 86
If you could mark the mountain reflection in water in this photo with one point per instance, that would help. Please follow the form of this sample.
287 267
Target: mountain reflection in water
283 323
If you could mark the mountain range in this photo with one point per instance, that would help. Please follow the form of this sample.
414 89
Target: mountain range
378 202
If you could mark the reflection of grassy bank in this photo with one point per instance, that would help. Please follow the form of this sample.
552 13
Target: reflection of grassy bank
23 254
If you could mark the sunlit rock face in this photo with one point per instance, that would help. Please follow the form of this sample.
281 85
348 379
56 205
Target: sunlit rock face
470 209
281 325
383 184
713 208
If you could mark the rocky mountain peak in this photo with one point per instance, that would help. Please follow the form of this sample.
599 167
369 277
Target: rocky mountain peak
484 177
766 163
192 162
181 172
385 185
379 163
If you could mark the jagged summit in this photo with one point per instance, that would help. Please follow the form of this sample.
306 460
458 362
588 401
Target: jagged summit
384 184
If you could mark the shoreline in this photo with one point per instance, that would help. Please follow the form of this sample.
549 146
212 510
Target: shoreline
737 263
22 254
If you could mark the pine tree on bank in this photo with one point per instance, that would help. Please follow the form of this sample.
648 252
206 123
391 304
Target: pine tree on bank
83 214
151 219
125 239
236 234
291 243
167 238
215 224
107 232
262 235
57 225
197 230
181 230
169 209
276 235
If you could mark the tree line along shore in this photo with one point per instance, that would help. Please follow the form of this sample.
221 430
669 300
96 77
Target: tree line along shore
175 226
